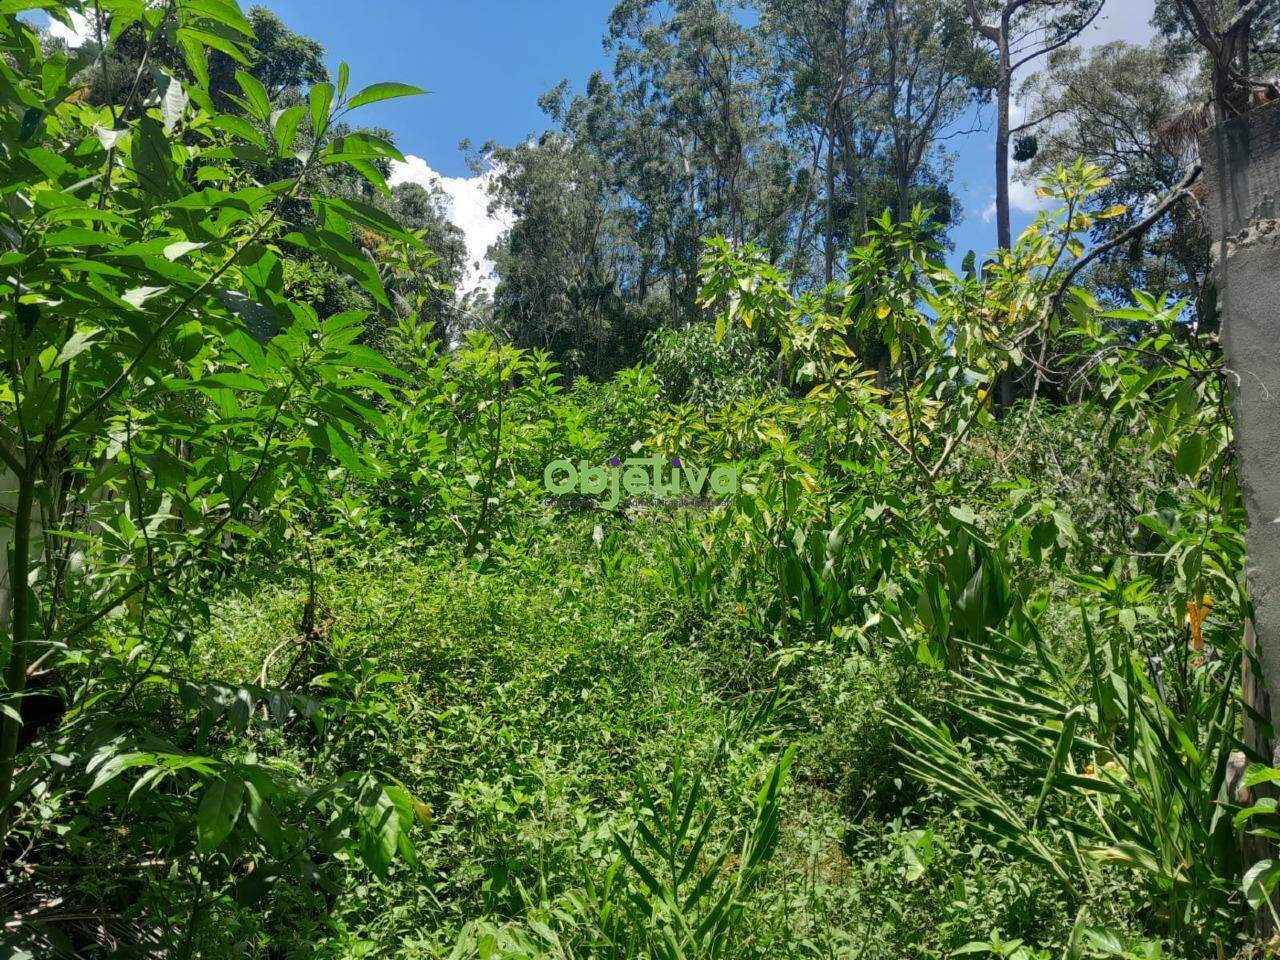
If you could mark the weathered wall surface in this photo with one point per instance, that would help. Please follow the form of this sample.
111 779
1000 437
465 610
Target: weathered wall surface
1242 203
1251 344
1242 172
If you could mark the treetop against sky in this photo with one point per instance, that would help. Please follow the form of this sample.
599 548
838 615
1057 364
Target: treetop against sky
486 64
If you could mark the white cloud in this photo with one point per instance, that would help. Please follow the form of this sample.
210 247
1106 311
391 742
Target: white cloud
1022 196
468 209
76 34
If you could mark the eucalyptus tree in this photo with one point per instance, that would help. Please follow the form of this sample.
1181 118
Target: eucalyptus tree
929 73
1019 32
701 67
677 142
870 91
689 77
563 264
1113 104
822 49
620 125
426 211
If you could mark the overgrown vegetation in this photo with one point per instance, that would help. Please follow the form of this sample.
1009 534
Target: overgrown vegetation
301 659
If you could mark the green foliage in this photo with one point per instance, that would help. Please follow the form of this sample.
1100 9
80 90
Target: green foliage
693 367
558 269
790 126
162 394
459 448
330 677
1131 743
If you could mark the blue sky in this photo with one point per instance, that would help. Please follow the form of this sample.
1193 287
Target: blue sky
487 61
484 61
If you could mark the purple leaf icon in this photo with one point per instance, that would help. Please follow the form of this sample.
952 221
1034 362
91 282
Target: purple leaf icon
615 462
675 462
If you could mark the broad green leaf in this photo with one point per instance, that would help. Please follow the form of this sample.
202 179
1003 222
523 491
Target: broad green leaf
80 341
383 91
971 948
138 296
1257 773
1258 882
222 12
181 248
239 127
193 54
263 820
187 340
379 831
113 764
256 95
1264 807
321 99
1190 456
9 7
364 145
218 811
284 124
215 42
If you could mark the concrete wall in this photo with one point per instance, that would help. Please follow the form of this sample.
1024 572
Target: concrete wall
1251 344
1242 172
1242 206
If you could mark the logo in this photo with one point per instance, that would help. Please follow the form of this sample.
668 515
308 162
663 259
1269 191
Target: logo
641 479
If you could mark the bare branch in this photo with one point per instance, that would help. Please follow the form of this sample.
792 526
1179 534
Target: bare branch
1195 20
1061 41
1037 121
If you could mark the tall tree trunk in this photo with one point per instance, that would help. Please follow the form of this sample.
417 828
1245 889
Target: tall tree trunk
829 253
1242 173
8 508
1004 235
903 175
1004 238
